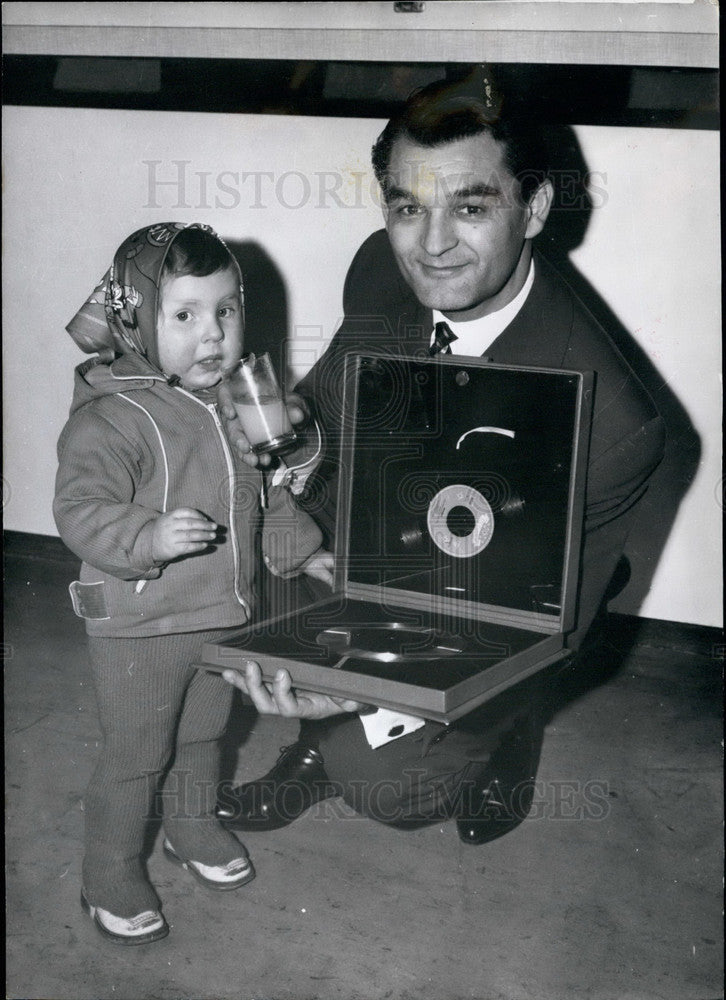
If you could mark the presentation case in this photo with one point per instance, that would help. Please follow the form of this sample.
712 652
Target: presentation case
460 505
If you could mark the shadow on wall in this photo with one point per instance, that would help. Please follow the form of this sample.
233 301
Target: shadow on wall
564 232
266 303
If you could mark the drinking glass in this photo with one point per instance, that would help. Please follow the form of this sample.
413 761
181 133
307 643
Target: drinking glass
260 405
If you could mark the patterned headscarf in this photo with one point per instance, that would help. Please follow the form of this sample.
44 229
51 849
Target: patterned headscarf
120 314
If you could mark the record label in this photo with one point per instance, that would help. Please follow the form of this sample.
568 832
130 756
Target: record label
460 521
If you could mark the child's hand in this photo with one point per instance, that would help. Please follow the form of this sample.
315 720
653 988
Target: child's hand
181 532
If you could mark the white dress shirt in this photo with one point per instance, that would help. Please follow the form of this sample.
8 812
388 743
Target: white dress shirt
475 336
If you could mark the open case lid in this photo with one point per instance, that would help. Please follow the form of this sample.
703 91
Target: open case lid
462 487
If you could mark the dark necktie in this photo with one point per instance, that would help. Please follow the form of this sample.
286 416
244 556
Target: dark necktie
443 337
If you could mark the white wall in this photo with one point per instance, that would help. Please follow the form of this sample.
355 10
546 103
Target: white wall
653 252
78 181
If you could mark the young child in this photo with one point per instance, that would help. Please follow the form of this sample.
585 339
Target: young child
166 520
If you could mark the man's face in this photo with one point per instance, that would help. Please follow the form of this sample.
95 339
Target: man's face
457 225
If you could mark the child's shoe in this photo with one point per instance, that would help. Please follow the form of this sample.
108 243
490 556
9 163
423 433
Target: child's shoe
230 876
142 929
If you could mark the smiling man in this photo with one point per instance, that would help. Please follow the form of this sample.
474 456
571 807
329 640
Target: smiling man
466 188
458 225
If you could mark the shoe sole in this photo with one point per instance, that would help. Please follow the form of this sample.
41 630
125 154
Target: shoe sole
171 855
122 939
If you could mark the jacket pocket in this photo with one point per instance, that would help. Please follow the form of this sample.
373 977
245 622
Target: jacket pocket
89 600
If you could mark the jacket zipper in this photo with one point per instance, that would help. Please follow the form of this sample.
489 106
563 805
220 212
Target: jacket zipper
232 528
230 476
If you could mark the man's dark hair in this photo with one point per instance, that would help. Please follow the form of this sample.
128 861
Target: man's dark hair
445 111
198 252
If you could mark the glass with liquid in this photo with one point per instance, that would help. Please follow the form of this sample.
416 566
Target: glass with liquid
260 405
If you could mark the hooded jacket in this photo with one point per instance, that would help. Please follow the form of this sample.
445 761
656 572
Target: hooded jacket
137 445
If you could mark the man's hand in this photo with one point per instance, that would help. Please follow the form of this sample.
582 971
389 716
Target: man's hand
181 532
279 698
296 408
320 566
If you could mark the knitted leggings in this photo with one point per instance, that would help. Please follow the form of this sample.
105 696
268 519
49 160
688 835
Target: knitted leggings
154 709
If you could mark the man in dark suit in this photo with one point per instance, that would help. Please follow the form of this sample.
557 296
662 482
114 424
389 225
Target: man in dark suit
465 191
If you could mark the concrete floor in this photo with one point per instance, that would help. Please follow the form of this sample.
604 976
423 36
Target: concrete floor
611 890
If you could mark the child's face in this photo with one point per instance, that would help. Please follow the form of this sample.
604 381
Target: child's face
200 327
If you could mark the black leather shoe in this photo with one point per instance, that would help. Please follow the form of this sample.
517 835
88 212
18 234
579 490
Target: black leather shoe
296 782
502 798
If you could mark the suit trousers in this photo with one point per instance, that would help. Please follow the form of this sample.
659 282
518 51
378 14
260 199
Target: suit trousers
436 772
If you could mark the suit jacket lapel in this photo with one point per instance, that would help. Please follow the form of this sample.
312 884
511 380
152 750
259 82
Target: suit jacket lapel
539 333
